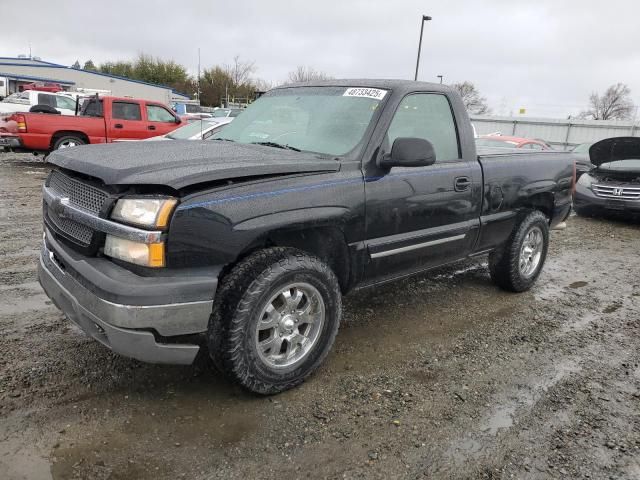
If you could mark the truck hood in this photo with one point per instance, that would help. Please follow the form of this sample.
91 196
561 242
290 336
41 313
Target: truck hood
178 164
617 150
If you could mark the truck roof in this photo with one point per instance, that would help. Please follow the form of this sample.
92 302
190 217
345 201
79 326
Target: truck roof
386 84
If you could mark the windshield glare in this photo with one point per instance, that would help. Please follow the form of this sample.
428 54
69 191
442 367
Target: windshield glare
315 119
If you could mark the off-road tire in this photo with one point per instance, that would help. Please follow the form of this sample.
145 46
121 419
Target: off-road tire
65 138
242 294
504 261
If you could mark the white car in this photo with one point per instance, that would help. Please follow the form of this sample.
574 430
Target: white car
23 101
196 130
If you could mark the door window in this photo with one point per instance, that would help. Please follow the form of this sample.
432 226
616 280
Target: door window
126 111
156 113
427 116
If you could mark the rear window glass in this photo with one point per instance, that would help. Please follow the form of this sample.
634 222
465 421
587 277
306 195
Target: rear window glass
126 111
91 108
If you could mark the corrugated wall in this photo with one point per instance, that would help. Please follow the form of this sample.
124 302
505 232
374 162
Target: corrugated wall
560 133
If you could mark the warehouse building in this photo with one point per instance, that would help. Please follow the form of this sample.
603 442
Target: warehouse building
15 72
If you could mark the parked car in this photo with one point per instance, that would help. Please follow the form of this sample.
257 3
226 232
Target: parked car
42 87
196 130
24 101
503 141
227 112
613 185
581 157
101 120
247 242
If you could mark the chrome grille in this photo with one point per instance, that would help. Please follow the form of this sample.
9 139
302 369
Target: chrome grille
81 195
617 192
75 230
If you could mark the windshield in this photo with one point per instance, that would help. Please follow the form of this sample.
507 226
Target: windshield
190 129
326 120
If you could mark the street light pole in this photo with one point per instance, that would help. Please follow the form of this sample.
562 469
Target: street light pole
425 18
440 77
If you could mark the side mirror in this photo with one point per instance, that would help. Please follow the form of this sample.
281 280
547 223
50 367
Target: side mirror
178 120
409 152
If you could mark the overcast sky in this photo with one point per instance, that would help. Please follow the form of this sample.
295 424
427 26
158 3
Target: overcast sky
543 55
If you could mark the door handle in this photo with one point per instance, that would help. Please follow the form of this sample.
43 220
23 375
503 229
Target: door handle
117 125
151 127
461 184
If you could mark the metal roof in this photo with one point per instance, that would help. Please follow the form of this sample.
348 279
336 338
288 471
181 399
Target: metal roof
44 64
35 79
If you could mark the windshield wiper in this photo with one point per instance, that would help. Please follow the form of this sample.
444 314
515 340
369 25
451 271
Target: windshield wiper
277 145
223 139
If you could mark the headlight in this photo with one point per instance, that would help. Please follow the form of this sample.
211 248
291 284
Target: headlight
145 212
148 255
585 180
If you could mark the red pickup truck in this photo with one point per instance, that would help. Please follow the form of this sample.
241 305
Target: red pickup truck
101 120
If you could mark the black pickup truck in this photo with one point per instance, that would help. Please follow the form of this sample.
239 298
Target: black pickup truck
241 247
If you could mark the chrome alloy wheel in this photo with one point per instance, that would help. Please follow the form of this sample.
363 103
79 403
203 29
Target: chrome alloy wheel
290 325
531 251
67 144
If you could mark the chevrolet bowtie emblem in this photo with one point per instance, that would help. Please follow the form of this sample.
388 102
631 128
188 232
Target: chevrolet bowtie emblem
58 204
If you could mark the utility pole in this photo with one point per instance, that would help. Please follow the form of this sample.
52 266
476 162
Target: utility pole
425 18
198 87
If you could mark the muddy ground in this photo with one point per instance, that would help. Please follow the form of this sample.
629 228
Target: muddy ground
438 376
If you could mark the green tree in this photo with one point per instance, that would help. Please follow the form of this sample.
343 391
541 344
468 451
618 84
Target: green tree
76 64
88 65
149 69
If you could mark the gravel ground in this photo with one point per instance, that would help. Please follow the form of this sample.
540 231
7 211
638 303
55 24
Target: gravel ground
440 376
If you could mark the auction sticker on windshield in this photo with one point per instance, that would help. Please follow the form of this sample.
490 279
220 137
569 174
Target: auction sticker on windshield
375 93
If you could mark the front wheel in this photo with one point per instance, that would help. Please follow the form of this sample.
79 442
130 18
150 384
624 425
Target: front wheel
517 264
275 318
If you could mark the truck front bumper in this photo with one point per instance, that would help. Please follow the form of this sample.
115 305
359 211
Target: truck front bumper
149 332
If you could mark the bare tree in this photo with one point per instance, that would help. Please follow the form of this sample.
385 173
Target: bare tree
473 101
240 72
306 74
614 104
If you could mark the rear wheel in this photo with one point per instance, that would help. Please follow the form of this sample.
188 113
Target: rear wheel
67 141
517 264
275 318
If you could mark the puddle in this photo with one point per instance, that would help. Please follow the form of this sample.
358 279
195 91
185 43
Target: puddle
612 308
504 415
579 284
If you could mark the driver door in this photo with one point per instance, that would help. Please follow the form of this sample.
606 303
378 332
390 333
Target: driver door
421 217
